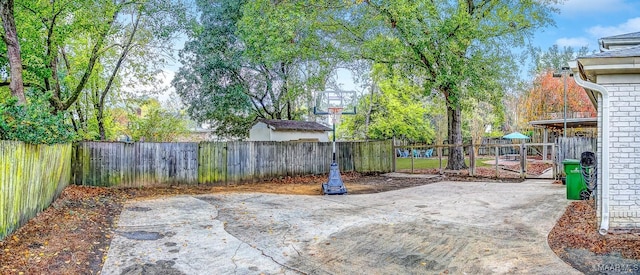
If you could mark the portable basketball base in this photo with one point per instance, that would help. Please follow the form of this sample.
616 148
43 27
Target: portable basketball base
334 186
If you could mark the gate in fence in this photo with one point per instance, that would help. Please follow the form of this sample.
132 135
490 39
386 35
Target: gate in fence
498 160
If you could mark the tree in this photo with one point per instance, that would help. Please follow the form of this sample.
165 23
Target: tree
554 58
154 124
547 97
73 50
397 109
459 49
10 38
249 60
134 47
480 116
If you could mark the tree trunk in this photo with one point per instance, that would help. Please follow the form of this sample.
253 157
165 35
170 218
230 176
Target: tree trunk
114 73
368 114
456 154
13 50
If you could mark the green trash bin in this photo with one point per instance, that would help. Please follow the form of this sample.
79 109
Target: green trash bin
574 180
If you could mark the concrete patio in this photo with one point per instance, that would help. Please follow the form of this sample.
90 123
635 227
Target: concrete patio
454 227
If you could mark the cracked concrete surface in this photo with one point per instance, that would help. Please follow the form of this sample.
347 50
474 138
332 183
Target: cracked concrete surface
454 227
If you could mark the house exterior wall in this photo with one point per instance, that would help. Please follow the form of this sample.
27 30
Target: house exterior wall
624 149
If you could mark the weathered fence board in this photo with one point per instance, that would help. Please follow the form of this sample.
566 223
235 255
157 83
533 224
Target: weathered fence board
145 164
572 147
31 177
135 164
212 159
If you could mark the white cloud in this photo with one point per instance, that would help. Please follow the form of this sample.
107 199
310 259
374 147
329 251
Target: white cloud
581 6
632 25
574 42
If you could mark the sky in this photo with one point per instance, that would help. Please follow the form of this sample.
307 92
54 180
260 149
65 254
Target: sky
579 23
583 22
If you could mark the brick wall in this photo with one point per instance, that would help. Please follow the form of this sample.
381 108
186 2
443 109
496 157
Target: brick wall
624 150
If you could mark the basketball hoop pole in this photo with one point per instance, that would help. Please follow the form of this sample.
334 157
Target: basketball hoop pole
334 186
335 116
334 142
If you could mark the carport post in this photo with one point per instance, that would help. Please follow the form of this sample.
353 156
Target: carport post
523 160
555 161
545 139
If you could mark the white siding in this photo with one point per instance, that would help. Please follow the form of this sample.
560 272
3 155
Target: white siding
295 135
262 132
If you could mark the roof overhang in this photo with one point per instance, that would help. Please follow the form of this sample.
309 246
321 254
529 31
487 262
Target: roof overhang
577 71
612 65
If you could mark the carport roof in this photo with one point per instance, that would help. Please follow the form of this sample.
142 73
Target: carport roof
588 122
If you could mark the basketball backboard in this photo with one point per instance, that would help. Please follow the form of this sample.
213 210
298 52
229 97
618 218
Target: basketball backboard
326 100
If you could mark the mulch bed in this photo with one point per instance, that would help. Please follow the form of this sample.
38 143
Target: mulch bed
70 237
576 240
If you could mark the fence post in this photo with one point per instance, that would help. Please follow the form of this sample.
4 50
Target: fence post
472 160
440 158
497 149
393 152
411 155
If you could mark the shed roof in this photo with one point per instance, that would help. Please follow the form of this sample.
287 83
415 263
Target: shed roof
294 125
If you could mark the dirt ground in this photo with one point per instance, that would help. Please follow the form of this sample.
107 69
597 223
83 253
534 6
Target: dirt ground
73 235
509 171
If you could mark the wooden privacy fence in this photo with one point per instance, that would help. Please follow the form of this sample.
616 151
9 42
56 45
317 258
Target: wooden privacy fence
134 164
146 164
572 147
31 177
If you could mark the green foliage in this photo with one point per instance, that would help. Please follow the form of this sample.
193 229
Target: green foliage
33 123
398 110
211 82
460 49
80 53
156 124
249 60
554 58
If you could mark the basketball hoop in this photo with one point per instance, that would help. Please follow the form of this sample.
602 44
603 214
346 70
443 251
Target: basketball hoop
335 113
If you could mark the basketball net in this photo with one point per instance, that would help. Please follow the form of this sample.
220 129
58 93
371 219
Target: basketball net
335 113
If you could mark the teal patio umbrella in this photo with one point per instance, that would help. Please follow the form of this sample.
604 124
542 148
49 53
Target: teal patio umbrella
516 135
